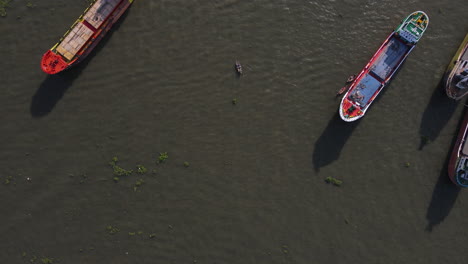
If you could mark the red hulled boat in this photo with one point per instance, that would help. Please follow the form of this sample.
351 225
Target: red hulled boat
83 35
382 66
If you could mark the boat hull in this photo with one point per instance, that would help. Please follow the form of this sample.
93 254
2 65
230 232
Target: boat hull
458 163
454 73
382 66
59 58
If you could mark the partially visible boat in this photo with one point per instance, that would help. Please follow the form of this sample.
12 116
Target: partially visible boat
456 75
382 66
238 67
458 164
347 85
83 35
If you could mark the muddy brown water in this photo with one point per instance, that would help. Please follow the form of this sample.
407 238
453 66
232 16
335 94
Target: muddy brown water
164 80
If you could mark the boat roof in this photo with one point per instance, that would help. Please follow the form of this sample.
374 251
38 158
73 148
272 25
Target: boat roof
412 29
364 90
85 27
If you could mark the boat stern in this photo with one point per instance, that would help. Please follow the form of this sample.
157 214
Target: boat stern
458 174
350 112
53 63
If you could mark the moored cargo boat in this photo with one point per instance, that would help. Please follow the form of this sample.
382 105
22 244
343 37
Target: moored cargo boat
382 66
83 35
456 75
458 164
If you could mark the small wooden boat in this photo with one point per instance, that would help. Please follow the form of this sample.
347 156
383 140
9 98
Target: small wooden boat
347 85
456 75
382 66
238 67
458 164
83 35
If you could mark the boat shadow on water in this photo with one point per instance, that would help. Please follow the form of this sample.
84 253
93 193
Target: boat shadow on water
329 145
444 196
54 87
436 115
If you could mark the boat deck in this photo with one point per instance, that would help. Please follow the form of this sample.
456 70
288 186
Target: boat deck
389 58
365 89
83 30
381 69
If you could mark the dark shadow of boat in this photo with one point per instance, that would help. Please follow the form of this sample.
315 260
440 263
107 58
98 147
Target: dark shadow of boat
436 115
444 195
329 145
53 88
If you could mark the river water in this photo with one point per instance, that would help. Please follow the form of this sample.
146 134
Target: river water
163 80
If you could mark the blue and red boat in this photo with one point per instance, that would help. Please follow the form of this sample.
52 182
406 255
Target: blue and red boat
83 35
382 66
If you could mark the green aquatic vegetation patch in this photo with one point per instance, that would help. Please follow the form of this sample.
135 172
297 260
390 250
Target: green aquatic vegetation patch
112 229
8 180
3 7
138 184
141 169
119 171
47 260
186 164
333 181
163 156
